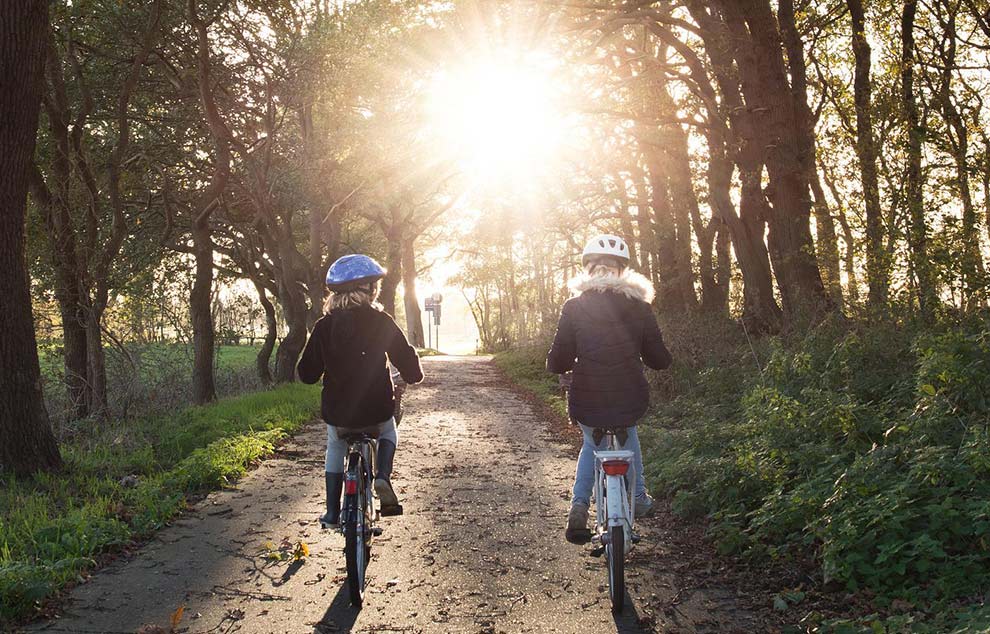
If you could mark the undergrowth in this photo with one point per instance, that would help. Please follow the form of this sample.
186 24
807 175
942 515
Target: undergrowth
124 479
863 448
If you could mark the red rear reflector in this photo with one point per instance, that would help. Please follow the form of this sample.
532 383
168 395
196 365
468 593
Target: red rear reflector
615 467
350 487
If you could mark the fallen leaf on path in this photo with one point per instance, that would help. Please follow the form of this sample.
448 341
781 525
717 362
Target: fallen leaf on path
177 617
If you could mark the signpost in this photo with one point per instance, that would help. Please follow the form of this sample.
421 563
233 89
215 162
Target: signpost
433 306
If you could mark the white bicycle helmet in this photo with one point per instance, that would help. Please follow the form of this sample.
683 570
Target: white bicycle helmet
605 244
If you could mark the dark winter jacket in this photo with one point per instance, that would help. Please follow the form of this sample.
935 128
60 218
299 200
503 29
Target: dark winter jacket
605 335
351 349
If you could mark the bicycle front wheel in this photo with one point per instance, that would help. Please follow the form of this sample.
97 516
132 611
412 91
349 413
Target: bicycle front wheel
615 555
355 533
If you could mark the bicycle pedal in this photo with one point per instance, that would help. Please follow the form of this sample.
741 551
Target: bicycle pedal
635 538
598 552
376 531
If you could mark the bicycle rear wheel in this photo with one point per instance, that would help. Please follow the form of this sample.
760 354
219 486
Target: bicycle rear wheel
356 552
615 556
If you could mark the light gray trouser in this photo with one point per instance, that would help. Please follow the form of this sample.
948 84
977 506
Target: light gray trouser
337 448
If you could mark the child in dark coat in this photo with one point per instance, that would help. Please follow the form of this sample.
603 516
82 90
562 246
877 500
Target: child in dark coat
351 348
607 332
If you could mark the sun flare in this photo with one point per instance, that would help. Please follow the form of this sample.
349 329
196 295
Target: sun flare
498 117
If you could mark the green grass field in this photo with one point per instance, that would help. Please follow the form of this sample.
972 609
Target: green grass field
124 479
230 357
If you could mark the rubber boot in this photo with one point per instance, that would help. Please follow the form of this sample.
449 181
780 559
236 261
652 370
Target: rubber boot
383 484
335 483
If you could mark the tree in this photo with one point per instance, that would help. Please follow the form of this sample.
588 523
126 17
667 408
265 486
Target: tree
28 444
914 178
83 199
877 267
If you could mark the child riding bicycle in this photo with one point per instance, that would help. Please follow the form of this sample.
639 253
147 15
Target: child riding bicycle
351 347
607 331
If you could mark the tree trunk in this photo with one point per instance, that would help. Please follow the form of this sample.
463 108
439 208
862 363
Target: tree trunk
719 177
985 177
263 360
760 310
204 338
97 359
826 245
317 273
204 388
849 258
913 183
625 218
294 309
26 440
647 229
971 263
723 265
668 296
761 314
877 266
75 355
713 298
414 316
68 288
393 264
780 131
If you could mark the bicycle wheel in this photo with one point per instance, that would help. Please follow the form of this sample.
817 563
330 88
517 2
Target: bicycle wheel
355 533
615 556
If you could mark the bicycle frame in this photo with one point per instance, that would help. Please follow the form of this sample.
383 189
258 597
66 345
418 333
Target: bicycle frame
618 491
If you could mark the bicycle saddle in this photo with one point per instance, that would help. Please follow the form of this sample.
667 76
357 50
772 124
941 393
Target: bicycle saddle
621 434
358 437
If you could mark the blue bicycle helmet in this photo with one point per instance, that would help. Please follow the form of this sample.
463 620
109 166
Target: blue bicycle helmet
352 271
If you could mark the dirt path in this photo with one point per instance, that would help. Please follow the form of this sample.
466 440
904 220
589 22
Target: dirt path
480 548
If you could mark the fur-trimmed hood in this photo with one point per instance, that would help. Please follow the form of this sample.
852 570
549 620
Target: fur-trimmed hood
630 283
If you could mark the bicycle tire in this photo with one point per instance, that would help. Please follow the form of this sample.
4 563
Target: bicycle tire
615 556
355 542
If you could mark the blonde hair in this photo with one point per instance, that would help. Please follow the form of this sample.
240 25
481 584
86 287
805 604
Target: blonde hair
604 266
360 296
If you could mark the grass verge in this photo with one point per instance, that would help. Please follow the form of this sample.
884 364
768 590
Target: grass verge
125 479
526 367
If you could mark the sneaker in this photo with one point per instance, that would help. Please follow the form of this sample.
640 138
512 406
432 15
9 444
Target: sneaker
644 506
577 524
383 488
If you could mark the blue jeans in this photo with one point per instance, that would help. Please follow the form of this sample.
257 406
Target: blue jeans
336 448
584 479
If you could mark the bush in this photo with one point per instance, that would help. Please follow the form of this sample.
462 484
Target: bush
862 447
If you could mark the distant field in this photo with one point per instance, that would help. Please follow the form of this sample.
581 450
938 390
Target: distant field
152 377
228 357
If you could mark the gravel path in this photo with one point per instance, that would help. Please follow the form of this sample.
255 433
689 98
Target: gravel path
480 549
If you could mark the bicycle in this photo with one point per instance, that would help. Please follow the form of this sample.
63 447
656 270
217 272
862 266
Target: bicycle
357 513
615 507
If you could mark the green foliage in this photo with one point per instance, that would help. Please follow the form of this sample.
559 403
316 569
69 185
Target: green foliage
123 480
863 447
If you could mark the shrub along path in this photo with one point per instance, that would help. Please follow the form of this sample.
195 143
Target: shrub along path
485 485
